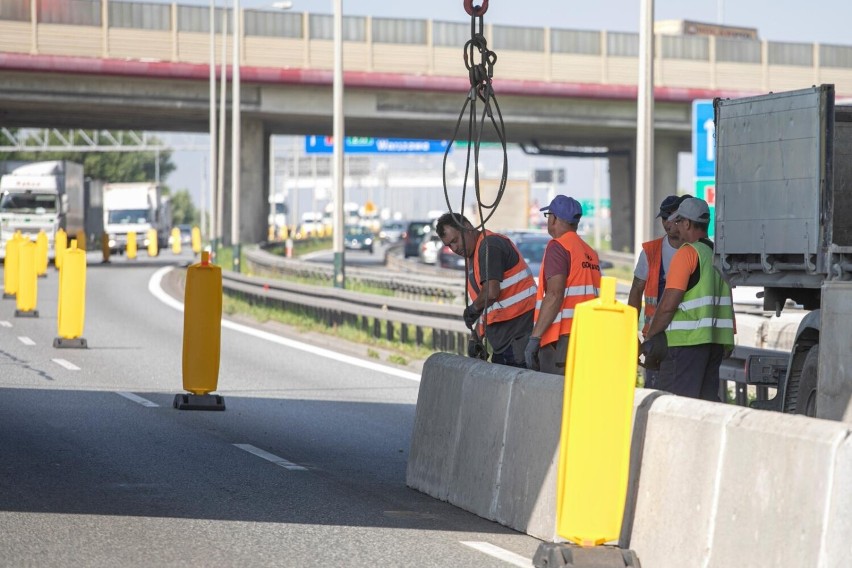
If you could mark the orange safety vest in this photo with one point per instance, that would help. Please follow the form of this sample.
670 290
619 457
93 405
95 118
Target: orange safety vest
654 255
517 290
584 282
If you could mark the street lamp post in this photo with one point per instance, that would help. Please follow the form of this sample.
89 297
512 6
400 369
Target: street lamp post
644 127
338 133
211 176
235 138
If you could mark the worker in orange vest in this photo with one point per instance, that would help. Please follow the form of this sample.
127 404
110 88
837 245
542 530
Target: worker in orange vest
570 274
649 276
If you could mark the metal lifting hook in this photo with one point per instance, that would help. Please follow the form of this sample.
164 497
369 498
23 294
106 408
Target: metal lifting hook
475 10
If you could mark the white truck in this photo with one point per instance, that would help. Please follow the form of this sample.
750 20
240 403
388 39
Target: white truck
784 223
42 196
135 207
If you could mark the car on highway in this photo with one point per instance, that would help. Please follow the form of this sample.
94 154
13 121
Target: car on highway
392 231
429 247
413 236
356 237
448 259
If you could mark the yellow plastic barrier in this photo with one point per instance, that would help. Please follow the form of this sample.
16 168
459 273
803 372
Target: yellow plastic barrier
196 240
153 245
81 239
60 244
41 254
105 250
11 265
176 240
283 233
27 296
72 298
202 326
131 245
594 455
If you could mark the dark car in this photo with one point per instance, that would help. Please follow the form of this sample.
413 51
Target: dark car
532 245
358 238
448 259
414 235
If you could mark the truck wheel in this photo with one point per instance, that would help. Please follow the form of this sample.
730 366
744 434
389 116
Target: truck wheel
802 387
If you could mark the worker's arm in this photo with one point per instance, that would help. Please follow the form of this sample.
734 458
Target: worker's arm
487 296
665 311
636 290
551 304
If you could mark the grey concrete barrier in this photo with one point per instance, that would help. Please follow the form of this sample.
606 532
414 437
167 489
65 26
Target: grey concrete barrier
710 484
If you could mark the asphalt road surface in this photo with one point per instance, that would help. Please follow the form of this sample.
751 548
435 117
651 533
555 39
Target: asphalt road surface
306 467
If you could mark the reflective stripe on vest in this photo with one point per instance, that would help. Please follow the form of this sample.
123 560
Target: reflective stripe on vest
583 284
517 289
706 313
654 256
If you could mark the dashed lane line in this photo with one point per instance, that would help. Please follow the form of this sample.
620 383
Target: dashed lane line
138 399
26 340
5 323
67 364
271 457
499 553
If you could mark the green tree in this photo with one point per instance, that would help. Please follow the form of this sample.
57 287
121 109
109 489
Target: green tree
106 166
183 210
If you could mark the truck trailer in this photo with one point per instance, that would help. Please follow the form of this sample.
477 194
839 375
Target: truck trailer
784 223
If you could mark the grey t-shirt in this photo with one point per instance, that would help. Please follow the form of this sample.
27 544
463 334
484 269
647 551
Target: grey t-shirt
500 256
641 270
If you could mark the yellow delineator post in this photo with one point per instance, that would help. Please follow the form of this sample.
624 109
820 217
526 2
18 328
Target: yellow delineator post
105 250
202 331
71 306
60 244
176 240
594 454
27 296
10 266
41 254
131 245
153 245
81 239
196 240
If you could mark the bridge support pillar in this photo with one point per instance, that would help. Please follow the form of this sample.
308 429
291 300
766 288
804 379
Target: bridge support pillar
622 187
254 188
666 151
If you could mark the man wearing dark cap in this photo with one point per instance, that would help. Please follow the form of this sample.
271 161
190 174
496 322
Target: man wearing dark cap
649 276
570 274
695 316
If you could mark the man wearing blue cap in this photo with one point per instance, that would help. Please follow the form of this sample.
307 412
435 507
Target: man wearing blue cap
570 274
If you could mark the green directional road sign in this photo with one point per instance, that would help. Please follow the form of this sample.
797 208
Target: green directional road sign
589 205
705 188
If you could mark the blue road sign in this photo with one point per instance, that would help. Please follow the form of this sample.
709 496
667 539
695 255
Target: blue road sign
363 145
703 138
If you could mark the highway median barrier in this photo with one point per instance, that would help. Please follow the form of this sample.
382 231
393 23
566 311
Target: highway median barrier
71 305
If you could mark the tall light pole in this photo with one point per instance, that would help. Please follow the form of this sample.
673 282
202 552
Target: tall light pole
338 133
235 138
211 176
644 127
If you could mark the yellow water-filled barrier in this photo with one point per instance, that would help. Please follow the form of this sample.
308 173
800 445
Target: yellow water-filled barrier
176 240
27 295
105 249
41 254
153 245
131 245
202 331
10 265
71 307
60 244
196 240
80 235
594 455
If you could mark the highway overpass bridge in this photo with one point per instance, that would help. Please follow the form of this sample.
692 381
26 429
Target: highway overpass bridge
109 64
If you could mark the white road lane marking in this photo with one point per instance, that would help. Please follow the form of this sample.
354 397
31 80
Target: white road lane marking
67 364
271 457
500 553
138 399
5 324
155 289
26 340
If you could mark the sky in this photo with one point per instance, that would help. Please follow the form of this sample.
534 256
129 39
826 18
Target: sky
823 21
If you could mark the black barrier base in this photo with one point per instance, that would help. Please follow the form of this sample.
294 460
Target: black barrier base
8 296
26 313
199 402
564 555
76 343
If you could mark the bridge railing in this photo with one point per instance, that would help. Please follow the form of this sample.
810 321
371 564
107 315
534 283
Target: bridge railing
180 33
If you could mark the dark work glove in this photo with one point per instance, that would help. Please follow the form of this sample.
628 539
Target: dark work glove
655 349
475 348
470 315
531 353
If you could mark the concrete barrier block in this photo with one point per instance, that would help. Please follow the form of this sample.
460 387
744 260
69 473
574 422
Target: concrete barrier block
527 494
773 490
684 439
837 546
482 427
435 436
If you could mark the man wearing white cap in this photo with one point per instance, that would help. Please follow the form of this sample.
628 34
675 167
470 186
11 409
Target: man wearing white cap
693 326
